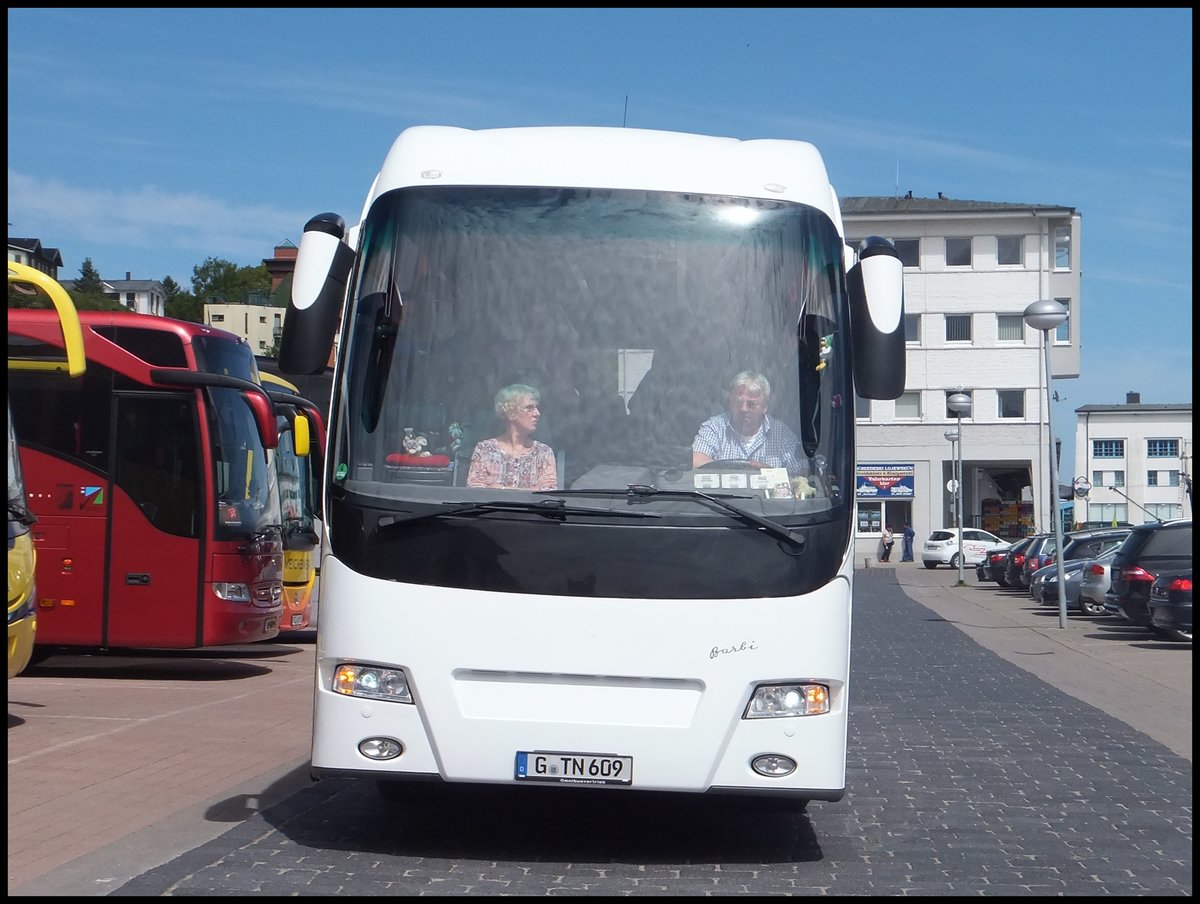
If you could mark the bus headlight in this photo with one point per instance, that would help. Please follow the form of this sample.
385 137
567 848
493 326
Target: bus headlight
234 592
774 701
374 682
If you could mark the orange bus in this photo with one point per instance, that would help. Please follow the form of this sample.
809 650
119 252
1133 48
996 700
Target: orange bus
298 469
158 517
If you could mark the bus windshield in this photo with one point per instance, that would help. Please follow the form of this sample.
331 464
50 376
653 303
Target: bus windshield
247 492
629 313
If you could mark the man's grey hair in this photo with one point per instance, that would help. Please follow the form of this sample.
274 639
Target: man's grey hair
753 381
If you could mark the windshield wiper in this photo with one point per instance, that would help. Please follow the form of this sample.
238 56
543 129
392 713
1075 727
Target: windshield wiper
548 508
638 492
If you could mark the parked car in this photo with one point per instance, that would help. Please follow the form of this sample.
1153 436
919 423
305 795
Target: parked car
1018 573
1079 547
941 548
1171 604
1095 583
1008 571
1149 550
992 566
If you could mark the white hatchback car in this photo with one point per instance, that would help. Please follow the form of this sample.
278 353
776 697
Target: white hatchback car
942 547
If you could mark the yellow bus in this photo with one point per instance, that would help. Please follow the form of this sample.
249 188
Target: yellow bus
22 613
297 462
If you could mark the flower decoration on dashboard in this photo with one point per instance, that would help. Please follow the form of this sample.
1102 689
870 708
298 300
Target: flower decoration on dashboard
824 352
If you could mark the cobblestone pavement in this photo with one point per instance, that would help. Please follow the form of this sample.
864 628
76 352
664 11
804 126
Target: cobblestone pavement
967 775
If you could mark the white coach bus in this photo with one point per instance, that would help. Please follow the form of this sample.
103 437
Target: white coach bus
554 550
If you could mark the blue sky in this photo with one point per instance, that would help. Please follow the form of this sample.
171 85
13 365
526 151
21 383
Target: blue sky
150 140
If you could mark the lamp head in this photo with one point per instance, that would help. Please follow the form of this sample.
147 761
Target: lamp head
1045 314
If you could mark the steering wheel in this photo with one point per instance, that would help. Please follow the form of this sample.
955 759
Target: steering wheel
728 464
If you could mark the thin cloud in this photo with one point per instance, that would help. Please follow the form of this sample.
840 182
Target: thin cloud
147 217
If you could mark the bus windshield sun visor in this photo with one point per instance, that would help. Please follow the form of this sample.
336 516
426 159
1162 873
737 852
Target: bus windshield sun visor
641 493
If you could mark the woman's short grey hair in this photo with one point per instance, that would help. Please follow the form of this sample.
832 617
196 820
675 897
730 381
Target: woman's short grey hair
753 381
508 398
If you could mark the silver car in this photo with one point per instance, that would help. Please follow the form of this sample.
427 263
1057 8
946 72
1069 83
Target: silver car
1095 582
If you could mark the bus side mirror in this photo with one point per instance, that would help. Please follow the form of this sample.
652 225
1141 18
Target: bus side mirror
301 438
876 287
323 265
264 417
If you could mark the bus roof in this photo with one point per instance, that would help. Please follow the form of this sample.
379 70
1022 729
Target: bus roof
601 157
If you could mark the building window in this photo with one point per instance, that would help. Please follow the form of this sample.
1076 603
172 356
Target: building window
862 407
1062 247
1009 250
1108 448
1151 478
909 251
912 328
909 405
1010 327
1172 478
1164 511
1118 479
1010 402
262 343
1114 512
262 318
958 252
1162 448
218 318
1108 478
1062 332
870 517
958 327
968 393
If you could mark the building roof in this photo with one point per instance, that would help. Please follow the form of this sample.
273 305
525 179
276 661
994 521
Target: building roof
1148 407
908 205
36 249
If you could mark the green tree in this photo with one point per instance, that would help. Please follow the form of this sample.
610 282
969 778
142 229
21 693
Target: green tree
184 306
222 280
88 293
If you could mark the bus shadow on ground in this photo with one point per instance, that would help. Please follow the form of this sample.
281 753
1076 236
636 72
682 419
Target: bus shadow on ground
214 664
501 822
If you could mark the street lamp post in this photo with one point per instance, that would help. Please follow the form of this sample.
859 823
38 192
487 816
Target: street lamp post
1046 315
960 404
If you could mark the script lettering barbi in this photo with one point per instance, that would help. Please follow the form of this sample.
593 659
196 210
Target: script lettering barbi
736 648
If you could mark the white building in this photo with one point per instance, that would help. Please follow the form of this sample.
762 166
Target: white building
145 296
259 324
1136 459
970 270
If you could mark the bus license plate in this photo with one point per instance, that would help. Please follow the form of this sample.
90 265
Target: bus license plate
574 768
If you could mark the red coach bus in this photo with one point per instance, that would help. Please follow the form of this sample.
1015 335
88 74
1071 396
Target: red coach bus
158 515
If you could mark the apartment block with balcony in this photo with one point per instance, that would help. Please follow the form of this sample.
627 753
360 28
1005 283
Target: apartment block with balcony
260 325
970 270
1136 460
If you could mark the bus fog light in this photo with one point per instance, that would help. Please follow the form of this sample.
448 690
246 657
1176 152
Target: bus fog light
380 748
774 701
372 681
773 765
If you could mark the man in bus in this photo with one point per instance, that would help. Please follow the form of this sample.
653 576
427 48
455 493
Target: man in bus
746 432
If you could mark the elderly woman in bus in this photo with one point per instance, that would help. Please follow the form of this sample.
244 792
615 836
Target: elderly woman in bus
514 459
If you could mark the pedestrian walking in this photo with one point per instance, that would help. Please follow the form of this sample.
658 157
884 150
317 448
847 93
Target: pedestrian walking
886 542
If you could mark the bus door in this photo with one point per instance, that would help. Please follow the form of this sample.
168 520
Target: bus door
157 524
